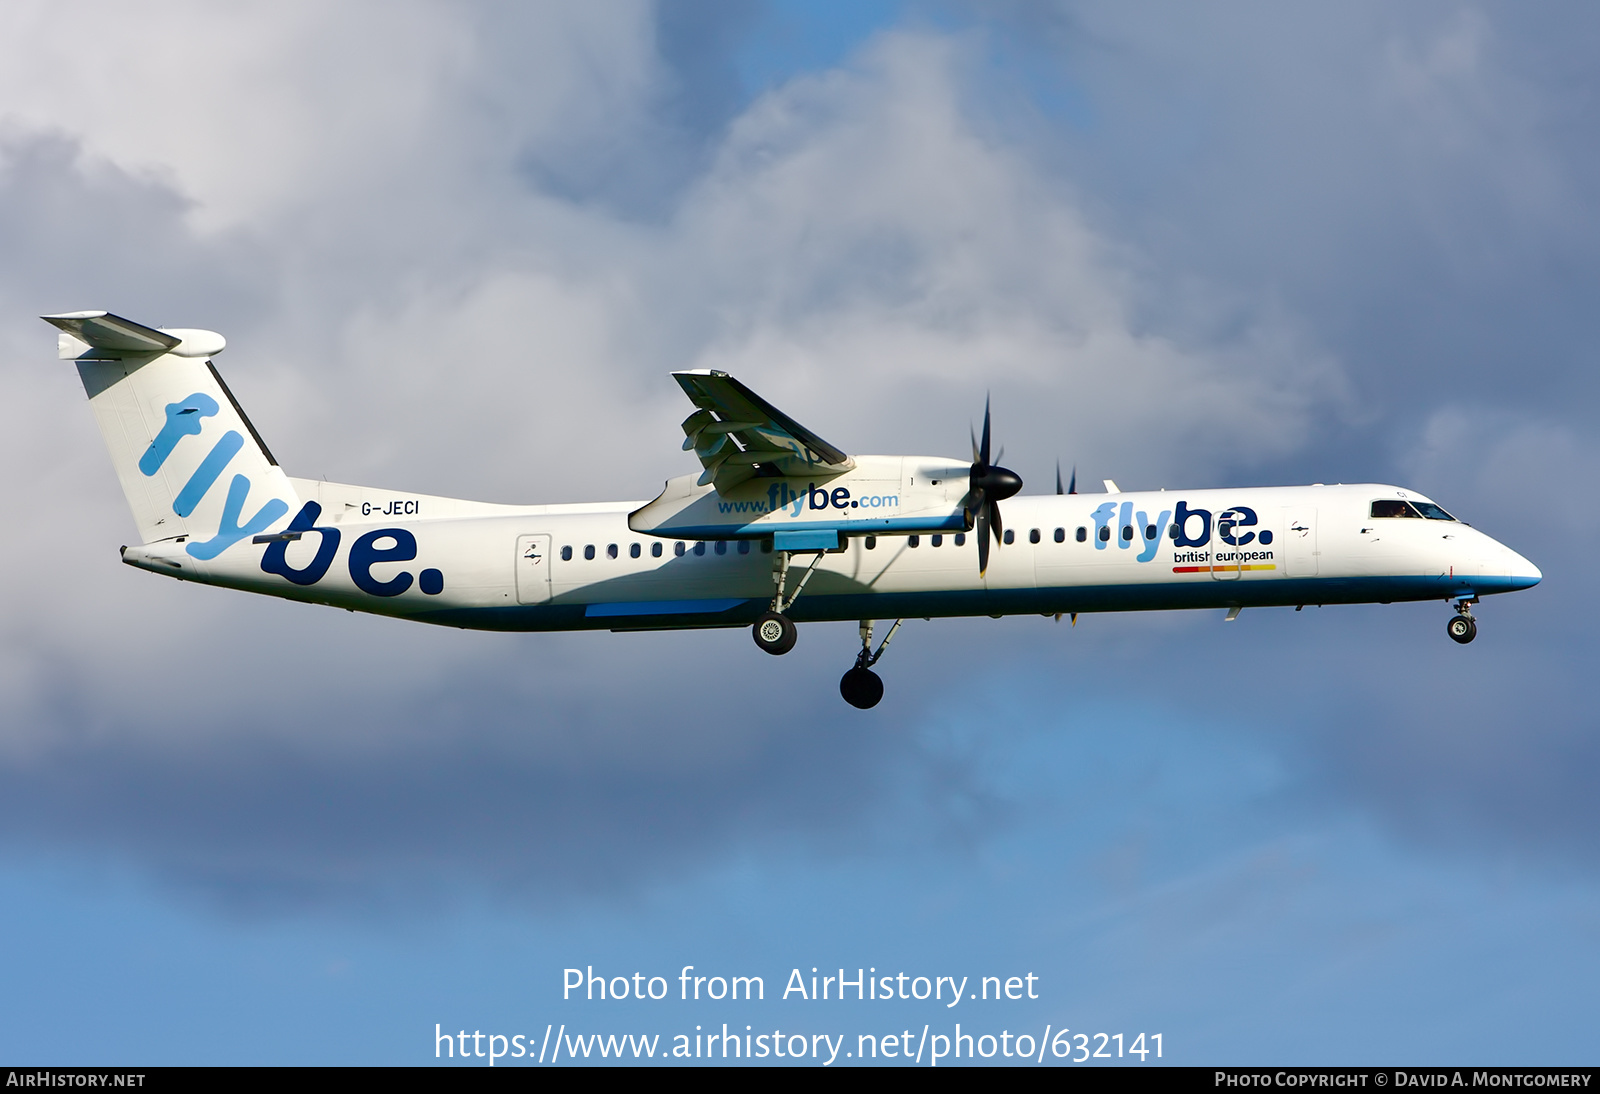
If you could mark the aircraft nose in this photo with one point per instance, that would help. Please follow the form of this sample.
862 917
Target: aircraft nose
1523 573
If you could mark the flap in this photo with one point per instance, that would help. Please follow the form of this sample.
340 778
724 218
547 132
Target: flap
737 435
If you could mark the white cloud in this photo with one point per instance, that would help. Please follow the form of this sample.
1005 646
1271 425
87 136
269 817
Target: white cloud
861 248
264 113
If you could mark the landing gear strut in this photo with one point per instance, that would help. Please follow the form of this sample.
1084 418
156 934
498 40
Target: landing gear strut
774 631
1463 627
861 687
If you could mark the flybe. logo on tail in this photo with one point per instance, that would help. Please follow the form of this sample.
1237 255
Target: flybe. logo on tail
365 553
185 419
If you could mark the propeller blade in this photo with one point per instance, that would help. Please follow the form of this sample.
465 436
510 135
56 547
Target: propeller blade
994 518
982 531
1072 488
983 452
1059 491
974 437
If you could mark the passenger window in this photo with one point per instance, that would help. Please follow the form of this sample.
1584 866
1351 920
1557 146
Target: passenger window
700 547
722 546
588 551
1392 507
872 543
1150 531
744 546
677 549
566 554
611 551
1061 535
1105 534
1127 533
1010 537
937 541
1172 532
913 541
1083 534
655 550
633 550
1033 535
961 539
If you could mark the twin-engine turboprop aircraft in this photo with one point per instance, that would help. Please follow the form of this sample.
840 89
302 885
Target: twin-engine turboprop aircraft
780 527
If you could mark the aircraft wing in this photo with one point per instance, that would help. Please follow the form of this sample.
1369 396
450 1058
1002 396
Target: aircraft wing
738 435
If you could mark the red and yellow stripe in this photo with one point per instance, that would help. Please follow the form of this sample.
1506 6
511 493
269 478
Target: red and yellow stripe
1223 569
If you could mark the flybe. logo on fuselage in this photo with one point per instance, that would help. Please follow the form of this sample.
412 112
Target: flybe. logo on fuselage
1190 528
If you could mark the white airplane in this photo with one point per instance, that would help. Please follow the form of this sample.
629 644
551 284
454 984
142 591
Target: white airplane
780 527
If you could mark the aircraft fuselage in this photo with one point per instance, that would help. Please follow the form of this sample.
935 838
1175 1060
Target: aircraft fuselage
570 567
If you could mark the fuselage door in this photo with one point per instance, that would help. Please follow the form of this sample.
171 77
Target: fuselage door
1299 552
533 569
1227 559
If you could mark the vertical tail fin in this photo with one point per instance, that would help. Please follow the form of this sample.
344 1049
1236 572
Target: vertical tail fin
189 461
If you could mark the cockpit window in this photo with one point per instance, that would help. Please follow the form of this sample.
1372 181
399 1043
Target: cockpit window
1393 507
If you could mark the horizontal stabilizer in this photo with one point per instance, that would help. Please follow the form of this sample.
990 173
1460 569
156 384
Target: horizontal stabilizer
99 334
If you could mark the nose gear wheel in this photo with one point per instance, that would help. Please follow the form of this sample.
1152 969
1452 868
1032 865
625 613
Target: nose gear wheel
861 687
1463 627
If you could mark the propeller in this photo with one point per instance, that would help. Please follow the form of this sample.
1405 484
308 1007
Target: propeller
1072 489
988 485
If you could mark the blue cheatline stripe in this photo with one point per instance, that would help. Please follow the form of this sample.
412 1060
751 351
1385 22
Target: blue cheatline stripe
661 607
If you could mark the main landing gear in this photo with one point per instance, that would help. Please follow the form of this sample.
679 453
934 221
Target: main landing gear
774 631
861 687
1463 627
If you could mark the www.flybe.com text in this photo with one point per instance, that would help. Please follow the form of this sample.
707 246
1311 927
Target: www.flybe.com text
780 499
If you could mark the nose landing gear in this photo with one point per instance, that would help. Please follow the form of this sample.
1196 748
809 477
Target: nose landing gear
1463 627
861 687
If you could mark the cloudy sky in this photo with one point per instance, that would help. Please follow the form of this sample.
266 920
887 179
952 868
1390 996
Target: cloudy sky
457 248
